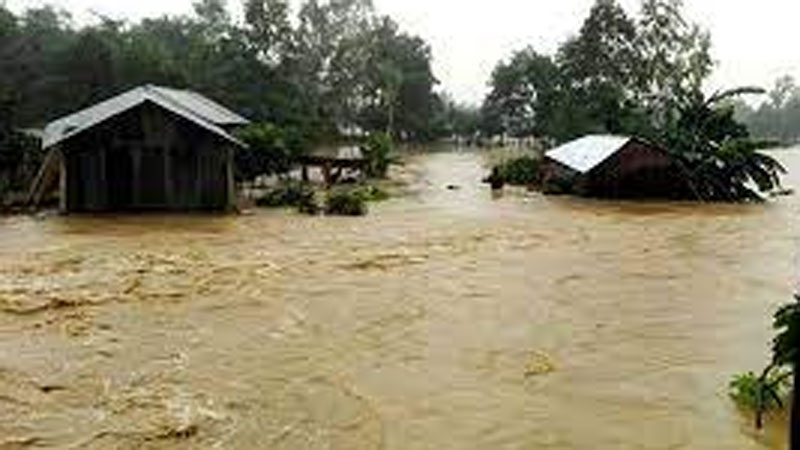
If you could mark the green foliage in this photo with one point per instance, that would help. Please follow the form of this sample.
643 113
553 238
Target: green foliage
457 120
270 150
376 150
338 67
766 391
290 194
346 202
523 171
525 97
786 347
619 75
760 393
714 151
639 78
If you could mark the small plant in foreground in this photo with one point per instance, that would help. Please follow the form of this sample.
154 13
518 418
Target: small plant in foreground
761 394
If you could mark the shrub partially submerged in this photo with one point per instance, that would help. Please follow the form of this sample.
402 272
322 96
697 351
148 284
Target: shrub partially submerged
522 171
342 201
346 203
296 195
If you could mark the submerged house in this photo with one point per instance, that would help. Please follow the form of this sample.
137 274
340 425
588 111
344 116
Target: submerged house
612 167
151 148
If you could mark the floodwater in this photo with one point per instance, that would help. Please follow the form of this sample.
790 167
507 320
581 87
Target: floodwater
446 319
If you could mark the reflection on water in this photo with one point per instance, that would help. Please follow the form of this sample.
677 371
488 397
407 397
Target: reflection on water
447 319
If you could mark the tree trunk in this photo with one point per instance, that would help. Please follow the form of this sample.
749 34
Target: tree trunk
794 421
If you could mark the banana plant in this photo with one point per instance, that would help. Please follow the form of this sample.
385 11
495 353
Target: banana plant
715 153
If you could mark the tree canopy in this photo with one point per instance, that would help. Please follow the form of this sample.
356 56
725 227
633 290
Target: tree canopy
338 66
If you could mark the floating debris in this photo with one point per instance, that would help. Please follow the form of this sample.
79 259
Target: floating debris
539 364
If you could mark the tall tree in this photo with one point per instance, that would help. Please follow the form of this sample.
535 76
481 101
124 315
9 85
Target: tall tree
675 58
527 98
602 68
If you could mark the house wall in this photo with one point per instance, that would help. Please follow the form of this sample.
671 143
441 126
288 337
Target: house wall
558 178
147 158
637 170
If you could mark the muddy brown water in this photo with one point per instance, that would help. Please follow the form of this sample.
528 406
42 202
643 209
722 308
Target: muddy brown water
447 319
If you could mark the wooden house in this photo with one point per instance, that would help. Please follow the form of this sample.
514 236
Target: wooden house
151 148
613 167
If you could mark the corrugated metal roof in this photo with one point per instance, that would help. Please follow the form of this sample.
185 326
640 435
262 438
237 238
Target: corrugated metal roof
203 106
588 152
192 106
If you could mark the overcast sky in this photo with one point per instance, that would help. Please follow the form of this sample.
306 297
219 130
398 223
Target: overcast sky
754 41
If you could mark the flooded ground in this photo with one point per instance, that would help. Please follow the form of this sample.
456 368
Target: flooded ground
447 319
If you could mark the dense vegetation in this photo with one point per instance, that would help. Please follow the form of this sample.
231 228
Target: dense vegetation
639 77
334 70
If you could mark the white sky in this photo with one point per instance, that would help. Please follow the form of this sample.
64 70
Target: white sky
754 41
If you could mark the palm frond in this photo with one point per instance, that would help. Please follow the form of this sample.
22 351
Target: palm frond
735 92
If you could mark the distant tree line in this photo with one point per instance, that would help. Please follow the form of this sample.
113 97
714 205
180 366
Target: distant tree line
778 118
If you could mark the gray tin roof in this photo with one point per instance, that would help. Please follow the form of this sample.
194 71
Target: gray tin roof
190 105
586 153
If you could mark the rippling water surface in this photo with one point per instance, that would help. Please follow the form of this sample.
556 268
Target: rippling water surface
447 319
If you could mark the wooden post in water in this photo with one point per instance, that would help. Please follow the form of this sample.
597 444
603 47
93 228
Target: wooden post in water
230 181
63 182
326 174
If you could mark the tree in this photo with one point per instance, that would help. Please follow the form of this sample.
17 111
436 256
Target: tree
268 29
398 92
675 58
601 69
718 160
778 119
270 150
526 98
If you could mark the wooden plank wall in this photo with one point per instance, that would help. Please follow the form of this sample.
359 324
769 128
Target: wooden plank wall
165 162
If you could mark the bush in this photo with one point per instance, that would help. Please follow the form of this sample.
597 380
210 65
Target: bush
290 195
522 171
346 203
